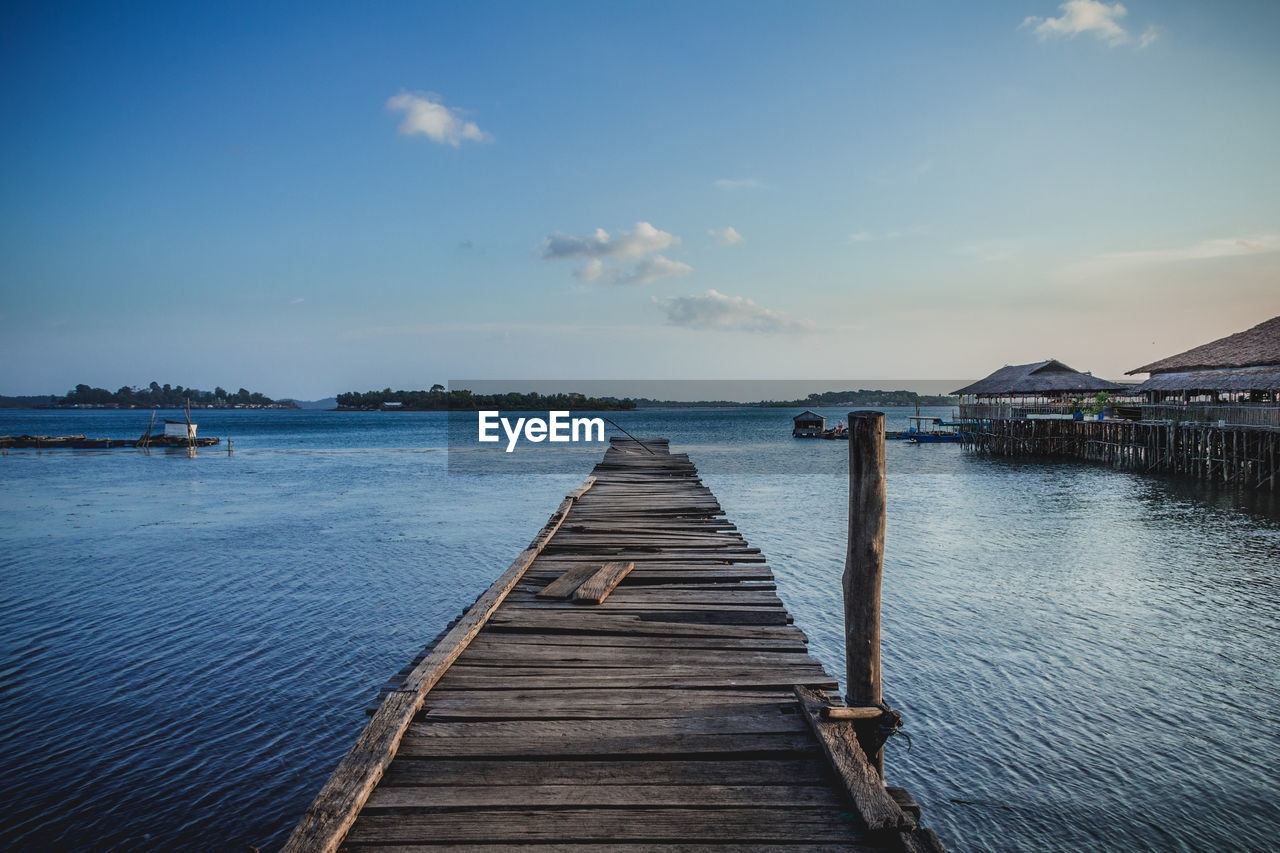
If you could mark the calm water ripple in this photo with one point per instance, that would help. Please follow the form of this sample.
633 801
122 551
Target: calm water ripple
1086 659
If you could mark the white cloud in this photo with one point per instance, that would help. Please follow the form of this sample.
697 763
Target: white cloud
1149 35
727 236
423 113
720 312
647 270
738 184
297 300
641 240
1087 16
642 243
1225 247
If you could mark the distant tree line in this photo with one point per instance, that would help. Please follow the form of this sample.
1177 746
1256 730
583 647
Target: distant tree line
439 399
27 402
827 398
164 396
864 397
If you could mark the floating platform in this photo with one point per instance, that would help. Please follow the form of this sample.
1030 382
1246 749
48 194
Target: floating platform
80 442
631 682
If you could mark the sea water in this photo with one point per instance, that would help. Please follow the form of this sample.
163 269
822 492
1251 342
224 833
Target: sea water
1086 659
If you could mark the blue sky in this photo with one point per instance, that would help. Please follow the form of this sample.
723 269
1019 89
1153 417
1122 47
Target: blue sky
309 198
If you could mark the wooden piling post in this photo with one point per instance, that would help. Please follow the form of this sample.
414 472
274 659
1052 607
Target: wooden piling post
863 569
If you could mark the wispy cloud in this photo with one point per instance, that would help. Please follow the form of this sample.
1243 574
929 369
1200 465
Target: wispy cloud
1102 20
720 312
727 236
425 114
646 270
1225 247
641 244
739 184
297 300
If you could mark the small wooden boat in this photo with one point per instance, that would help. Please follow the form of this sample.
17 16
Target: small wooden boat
929 430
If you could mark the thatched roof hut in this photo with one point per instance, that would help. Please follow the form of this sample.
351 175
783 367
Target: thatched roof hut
1256 347
1239 366
1043 379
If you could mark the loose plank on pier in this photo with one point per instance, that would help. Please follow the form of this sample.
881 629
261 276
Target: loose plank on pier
596 589
664 717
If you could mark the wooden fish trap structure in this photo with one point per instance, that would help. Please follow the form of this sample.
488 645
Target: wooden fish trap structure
1216 453
632 682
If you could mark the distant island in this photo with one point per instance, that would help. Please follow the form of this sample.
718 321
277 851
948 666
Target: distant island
153 396
862 397
437 398
865 397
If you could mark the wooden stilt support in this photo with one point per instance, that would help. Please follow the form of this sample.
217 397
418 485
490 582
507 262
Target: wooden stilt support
863 570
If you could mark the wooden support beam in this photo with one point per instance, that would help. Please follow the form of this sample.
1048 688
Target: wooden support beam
861 781
837 712
864 566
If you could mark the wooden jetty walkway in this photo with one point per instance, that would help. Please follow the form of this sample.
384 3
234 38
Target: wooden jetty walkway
632 682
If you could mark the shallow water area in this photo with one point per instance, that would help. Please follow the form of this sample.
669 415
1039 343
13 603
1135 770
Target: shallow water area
1085 658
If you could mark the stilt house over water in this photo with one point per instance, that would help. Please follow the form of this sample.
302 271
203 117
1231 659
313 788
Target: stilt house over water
1233 380
1020 390
808 424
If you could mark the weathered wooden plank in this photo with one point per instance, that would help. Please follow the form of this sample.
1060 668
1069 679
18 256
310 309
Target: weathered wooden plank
512 643
643 595
538 796
732 721
724 825
492 678
669 572
635 847
861 781
623 699
657 555
593 772
631 624
634 605
595 589
674 586
616 656
565 585
478 707
462 672
754 745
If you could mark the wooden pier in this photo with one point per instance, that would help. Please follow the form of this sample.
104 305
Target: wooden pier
1245 456
632 682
